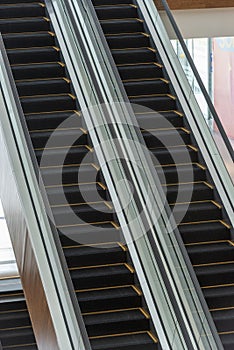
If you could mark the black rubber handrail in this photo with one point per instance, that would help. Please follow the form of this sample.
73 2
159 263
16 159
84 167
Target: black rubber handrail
198 78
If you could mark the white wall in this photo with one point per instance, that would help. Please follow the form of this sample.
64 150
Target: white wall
204 23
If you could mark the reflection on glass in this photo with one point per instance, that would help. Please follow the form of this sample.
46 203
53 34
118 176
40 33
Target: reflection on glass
214 59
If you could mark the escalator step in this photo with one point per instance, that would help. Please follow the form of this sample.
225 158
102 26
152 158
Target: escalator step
127 26
181 173
30 24
196 211
69 174
17 10
37 121
42 87
27 347
107 2
82 193
227 340
114 12
33 55
224 320
19 40
133 56
152 86
166 138
122 321
153 120
89 255
135 341
220 297
99 232
16 336
63 155
38 71
210 253
188 192
58 137
140 71
40 103
127 40
101 277
14 319
204 232
215 274
173 155
155 102
83 213
109 299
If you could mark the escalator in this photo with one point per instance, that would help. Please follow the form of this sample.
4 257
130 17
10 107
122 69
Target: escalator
15 325
204 228
103 275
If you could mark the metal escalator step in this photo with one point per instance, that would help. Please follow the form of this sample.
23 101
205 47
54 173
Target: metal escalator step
152 86
211 252
227 340
20 40
121 41
17 10
43 86
224 320
65 155
129 341
185 192
69 174
204 232
83 213
77 193
119 321
33 55
219 297
53 119
116 11
38 70
181 173
166 138
100 232
128 25
29 24
16 336
134 56
102 276
196 211
109 299
140 71
58 138
173 155
47 103
213 275
97 254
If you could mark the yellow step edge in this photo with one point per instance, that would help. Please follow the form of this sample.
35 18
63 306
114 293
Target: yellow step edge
87 224
95 266
90 245
110 287
206 242
59 147
113 311
119 334
77 184
214 264
218 286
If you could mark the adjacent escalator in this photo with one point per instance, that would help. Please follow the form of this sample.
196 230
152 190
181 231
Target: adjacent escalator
204 227
102 272
15 326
